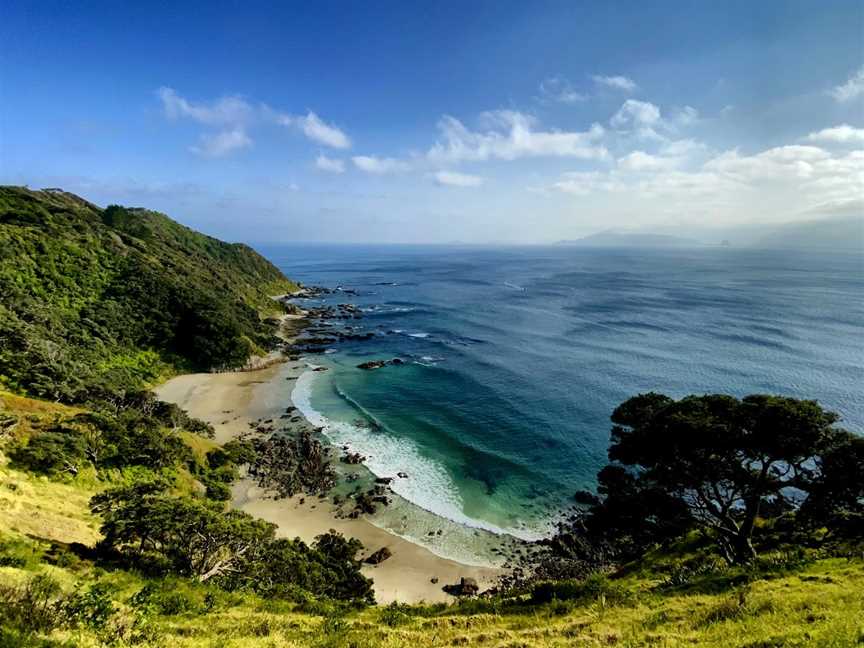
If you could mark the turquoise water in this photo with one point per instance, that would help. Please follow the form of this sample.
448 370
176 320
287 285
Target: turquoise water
517 356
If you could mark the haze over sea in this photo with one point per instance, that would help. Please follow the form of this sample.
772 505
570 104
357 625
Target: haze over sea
517 356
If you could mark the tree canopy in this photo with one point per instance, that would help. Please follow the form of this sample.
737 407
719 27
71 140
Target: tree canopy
718 463
147 525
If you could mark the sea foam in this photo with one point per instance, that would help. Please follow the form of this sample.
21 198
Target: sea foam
427 486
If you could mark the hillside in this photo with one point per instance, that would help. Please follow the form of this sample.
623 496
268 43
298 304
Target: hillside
117 297
631 239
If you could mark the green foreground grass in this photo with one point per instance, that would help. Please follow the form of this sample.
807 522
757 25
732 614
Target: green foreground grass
820 604
46 527
791 602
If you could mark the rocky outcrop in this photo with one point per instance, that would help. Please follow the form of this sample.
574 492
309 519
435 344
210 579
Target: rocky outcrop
287 466
465 587
377 364
379 556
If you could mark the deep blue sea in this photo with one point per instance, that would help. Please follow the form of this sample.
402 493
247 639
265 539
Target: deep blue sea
518 355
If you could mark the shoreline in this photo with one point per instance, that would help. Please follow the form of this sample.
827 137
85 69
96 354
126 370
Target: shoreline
230 401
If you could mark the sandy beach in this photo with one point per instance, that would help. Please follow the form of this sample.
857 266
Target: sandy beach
230 401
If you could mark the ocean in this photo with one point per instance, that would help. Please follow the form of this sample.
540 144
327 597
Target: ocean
515 358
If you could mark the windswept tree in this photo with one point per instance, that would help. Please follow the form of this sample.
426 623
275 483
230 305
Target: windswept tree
195 538
148 525
729 461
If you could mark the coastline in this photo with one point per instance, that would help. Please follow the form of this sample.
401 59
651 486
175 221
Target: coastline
230 401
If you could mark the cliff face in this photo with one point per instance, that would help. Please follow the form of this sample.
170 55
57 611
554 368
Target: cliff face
113 298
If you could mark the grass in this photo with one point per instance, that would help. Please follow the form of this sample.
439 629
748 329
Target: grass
784 601
820 606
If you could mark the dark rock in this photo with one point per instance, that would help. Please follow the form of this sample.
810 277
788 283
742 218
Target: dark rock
379 556
372 364
465 587
402 475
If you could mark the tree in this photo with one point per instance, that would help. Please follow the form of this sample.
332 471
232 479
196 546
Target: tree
60 450
196 538
836 497
725 459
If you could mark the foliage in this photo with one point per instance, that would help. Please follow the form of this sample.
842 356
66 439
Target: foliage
592 588
135 430
198 539
721 464
115 298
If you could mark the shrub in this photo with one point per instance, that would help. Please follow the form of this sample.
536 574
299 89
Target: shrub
55 452
393 616
33 607
91 608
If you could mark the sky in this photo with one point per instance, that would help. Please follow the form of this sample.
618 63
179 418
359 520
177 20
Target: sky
437 122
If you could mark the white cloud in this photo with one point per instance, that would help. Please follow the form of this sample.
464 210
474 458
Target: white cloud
616 82
779 162
239 115
842 134
634 113
686 116
681 148
227 110
316 129
582 183
772 184
454 179
560 90
511 135
853 88
640 161
331 165
221 144
378 165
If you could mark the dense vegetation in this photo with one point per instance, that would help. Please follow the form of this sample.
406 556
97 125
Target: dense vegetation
762 472
114 298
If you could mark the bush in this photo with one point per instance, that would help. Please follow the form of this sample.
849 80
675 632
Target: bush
55 452
164 600
393 616
91 608
33 607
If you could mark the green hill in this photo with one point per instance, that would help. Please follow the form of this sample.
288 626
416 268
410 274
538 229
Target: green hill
115 298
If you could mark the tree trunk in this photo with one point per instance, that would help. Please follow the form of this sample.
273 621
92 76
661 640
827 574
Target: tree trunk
744 551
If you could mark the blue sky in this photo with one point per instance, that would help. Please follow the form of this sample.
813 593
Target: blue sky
438 122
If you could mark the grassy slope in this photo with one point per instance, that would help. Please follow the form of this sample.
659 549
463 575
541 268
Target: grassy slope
820 603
